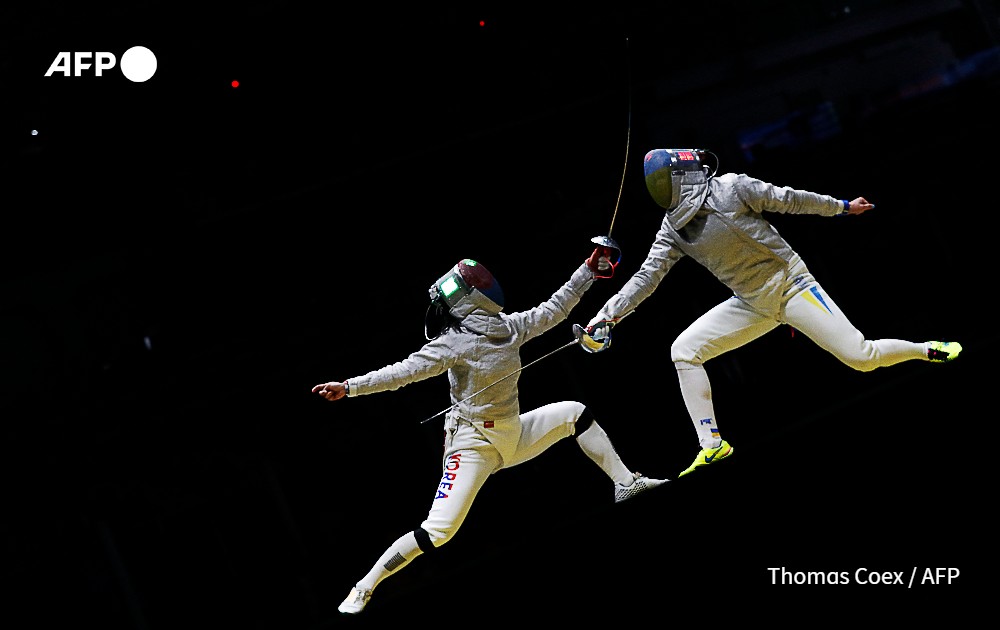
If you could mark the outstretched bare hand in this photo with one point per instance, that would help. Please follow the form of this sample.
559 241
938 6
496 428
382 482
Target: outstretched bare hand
859 205
334 390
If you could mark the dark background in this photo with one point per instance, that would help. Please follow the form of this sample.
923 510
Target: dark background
184 260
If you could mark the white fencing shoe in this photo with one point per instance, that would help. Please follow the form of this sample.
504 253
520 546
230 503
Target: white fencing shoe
639 484
355 601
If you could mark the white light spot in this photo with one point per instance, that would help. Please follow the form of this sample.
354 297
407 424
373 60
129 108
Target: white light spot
138 64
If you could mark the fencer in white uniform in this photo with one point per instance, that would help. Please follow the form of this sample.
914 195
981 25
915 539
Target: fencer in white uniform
719 221
477 345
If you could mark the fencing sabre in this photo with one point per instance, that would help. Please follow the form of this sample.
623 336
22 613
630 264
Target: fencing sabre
607 241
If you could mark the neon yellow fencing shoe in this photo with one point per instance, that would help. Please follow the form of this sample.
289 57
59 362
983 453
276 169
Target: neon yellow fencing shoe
709 456
943 351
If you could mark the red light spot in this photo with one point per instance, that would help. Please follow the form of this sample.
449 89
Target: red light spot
235 84
482 22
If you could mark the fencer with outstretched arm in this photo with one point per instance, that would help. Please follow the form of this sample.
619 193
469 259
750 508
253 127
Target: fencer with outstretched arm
478 345
718 220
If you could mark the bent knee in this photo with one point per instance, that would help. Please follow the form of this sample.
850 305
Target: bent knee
681 352
573 417
434 537
683 364
424 541
576 410
582 420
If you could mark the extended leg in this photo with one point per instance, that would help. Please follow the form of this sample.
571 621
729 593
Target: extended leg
466 468
814 313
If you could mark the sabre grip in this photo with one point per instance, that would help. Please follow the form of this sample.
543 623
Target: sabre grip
594 338
605 258
600 260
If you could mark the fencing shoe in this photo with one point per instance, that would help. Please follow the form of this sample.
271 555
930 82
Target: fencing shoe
355 601
709 456
639 484
943 351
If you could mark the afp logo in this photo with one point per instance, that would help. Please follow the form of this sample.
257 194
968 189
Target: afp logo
138 64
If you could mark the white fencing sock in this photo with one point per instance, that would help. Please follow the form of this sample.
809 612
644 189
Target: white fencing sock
596 444
397 556
697 393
